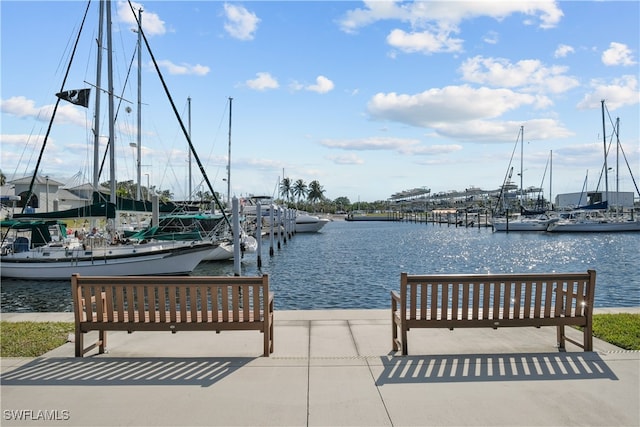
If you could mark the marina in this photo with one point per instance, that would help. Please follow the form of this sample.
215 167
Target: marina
355 265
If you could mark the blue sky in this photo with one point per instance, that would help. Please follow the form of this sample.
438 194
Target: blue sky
368 98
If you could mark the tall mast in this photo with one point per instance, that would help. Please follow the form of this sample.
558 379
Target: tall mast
139 139
617 159
551 179
189 151
606 169
229 159
521 164
112 145
96 120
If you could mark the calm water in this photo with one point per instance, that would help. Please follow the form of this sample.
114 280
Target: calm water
357 264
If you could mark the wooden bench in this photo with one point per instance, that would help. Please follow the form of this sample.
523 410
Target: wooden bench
494 300
170 303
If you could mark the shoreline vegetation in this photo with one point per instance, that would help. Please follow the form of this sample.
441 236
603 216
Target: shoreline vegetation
33 339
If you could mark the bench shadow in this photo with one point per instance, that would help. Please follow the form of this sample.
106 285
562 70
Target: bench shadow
493 367
119 371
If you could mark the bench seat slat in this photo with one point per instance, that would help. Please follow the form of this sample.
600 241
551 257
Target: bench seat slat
154 317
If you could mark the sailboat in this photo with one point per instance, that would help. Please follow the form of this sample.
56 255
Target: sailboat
225 250
213 227
526 220
597 218
37 249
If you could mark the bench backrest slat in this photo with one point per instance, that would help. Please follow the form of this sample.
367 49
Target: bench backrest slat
497 297
170 298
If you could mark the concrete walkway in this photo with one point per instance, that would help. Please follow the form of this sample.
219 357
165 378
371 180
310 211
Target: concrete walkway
329 368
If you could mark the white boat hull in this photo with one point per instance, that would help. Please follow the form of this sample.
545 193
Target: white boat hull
586 226
176 260
523 225
224 251
309 223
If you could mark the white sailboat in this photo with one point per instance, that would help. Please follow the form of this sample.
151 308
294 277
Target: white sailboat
50 254
524 221
58 259
598 220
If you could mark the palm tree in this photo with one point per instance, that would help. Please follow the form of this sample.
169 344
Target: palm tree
316 192
285 189
299 190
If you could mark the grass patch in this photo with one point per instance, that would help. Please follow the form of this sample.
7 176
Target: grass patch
32 339
621 329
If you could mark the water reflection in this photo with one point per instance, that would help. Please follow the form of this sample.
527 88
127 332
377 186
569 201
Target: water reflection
356 265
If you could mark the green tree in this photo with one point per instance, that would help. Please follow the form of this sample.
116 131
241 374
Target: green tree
165 195
126 189
204 196
342 203
285 189
316 192
299 190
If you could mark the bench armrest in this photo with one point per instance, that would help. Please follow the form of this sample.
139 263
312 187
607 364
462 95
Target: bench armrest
395 301
271 294
395 296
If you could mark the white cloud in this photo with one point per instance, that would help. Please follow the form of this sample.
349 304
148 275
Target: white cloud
22 107
433 150
617 93
529 74
152 25
296 86
618 54
184 69
399 145
504 131
241 24
432 23
423 42
346 159
447 14
263 81
491 37
373 143
323 85
563 50
464 113
454 104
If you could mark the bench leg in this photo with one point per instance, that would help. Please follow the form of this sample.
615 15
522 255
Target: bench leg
271 337
79 338
588 338
405 346
394 333
267 342
268 338
102 337
560 334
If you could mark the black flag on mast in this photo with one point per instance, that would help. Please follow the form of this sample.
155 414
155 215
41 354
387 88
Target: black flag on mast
76 96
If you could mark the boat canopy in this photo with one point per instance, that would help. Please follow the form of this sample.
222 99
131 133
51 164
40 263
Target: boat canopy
40 229
125 204
157 234
595 206
105 210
